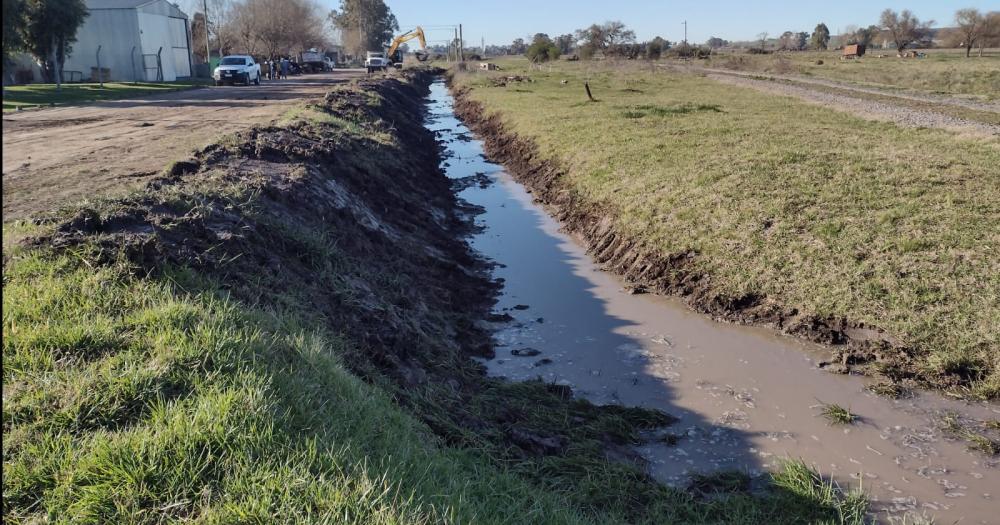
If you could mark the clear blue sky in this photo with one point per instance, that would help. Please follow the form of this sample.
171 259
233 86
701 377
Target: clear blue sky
501 21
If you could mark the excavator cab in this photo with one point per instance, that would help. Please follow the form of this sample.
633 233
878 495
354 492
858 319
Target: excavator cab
395 54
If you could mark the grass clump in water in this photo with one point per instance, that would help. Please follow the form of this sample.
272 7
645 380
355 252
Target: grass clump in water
977 441
836 414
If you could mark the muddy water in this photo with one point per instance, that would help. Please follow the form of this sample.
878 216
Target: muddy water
746 397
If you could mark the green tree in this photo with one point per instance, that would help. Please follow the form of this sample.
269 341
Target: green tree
565 43
370 24
656 47
13 21
49 32
518 47
603 37
542 49
716 42
820 37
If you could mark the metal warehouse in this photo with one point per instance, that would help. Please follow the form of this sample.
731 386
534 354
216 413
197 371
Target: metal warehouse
145 40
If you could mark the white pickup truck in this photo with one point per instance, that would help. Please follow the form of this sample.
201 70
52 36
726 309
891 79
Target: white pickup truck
237 68
376 61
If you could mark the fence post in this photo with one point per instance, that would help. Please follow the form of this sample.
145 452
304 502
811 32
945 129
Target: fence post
135 76
159 66
100 74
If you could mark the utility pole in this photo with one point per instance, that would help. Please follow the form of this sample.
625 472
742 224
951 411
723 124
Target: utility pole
461 43
454 45
208 51
685 31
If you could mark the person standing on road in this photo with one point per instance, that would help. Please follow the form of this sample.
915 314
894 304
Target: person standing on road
284 67
272 70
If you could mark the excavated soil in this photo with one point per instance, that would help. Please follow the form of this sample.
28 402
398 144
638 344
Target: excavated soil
855 347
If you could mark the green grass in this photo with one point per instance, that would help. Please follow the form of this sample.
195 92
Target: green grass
127 400
815 209
975 439
229 392
942 71
31 95
836 414
131 399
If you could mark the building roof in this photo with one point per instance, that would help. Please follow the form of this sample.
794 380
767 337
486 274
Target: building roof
117 4
143 5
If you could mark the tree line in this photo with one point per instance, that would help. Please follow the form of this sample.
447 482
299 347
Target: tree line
259 27
903 30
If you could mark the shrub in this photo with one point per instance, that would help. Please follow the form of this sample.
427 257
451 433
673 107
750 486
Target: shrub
542 51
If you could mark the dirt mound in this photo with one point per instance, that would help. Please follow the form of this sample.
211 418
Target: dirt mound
855 347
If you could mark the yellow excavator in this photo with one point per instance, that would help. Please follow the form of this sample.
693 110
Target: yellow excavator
396 58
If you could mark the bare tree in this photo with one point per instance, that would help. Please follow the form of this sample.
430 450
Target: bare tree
246 25
971 24
762 39
991 31
272 27
904 28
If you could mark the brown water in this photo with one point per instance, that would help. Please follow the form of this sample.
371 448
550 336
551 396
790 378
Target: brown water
746 397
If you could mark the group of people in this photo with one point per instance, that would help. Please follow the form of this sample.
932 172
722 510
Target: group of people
277 68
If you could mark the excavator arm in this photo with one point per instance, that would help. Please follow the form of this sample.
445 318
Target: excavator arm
417 33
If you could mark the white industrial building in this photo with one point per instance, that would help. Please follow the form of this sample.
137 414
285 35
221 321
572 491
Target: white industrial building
145 40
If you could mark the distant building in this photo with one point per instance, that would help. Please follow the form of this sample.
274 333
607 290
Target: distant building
145 40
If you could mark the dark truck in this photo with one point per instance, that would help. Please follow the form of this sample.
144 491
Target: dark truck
313 61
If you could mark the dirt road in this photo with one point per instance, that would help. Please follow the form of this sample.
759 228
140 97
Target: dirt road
52 157
957 114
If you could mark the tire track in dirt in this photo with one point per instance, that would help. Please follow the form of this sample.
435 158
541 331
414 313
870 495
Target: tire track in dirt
867 109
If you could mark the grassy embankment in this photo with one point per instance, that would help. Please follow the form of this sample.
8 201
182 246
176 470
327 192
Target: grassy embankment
32 95
257 343
944 71
816 210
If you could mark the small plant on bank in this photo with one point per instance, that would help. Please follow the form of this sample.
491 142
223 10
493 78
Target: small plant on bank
890 389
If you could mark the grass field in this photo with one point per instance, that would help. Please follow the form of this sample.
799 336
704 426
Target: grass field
31 95
831 214
945 71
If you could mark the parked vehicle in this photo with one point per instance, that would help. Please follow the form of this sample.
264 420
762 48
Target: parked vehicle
312 61
235 69
376 61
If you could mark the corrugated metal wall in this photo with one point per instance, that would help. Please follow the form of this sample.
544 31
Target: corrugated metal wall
147 29
117 31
